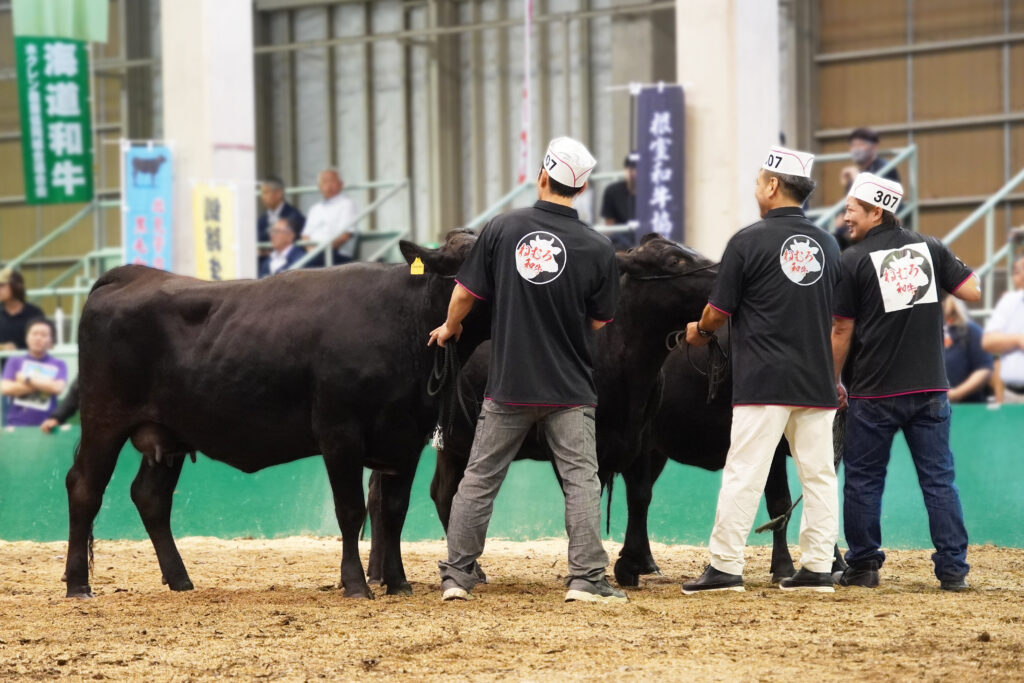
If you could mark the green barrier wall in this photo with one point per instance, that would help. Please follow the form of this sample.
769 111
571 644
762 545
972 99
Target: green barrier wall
215 500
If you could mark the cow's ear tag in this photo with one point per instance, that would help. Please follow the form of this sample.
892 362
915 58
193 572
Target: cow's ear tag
417 267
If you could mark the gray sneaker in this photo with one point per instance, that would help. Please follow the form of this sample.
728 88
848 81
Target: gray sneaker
581 590
451 591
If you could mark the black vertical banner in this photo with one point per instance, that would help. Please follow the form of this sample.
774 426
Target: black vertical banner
660 122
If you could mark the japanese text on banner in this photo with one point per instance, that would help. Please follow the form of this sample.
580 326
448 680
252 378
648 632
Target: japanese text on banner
53 85
213 208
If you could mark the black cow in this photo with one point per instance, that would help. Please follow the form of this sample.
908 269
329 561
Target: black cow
150 167
663 287
259 373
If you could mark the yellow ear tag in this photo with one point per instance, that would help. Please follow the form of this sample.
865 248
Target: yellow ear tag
417 267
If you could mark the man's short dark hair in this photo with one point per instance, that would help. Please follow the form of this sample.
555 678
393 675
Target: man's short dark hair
798 188
563 190
274 182
42 321
865 134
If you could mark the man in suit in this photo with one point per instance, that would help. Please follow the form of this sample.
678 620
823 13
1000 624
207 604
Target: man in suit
272 197
284 252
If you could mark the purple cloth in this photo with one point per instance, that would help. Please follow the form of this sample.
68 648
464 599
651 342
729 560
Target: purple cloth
31 410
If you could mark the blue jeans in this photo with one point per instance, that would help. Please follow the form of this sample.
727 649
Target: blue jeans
871 425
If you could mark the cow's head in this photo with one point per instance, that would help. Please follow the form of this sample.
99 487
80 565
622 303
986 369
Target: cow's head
657 256
446 259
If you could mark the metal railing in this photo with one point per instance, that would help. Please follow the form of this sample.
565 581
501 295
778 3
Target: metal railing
992 256
824 216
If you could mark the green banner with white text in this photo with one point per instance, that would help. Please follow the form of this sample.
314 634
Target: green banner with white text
56 134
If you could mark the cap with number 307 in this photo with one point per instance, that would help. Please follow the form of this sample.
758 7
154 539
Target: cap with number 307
877 191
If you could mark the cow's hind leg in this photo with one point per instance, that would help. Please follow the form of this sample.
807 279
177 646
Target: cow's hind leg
87 479
636 558
375 567
346 476
393 506
152 493
778 501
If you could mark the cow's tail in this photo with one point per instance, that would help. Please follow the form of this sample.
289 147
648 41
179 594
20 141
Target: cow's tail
92 557
608 515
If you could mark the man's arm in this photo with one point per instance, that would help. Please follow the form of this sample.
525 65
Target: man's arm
10 387
969 290
1002 342
842 335
458 308
710 320
47 386
974 382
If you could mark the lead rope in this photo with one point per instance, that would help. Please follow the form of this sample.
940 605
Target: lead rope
718 360
446 381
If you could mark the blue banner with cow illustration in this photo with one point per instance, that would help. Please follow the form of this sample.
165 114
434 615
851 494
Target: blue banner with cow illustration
660 119
147 185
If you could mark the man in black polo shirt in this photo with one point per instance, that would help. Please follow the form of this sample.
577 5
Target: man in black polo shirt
888 333
551 281
618 205
775 283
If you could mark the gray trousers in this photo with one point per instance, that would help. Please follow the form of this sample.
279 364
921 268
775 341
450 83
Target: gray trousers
500 433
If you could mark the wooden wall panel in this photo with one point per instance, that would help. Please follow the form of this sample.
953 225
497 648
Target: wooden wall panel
960 162
863 24
1017 74
864 93
953 19
958 83
1017 149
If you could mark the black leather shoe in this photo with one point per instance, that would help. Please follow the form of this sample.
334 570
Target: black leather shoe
863 575
714 580
805 580
954 585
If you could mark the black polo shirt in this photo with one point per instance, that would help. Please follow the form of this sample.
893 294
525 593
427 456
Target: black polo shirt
776 281
619 205
14 327
890 287
547 275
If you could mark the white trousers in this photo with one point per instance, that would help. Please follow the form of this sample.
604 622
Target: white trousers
756 431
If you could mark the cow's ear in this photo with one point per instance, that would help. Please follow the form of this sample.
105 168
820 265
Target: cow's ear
432 259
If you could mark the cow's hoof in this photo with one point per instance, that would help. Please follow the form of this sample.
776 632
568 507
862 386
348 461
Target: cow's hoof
479 572
79 592
404 588
374 580
626 573
783 574
361 593
836 576
180 585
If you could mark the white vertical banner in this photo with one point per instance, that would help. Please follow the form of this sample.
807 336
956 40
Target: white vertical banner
524 133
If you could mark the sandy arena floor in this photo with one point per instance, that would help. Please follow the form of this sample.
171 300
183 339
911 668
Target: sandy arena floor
267 610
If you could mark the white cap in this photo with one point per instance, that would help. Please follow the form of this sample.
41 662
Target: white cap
568 162
877 190
789 162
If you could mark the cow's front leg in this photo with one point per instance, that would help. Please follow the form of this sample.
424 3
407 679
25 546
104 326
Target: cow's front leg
395 490
636 558
346 476
153 493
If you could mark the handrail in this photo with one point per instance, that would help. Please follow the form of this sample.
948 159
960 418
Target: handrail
57 232
496 208
986 206
327 243
823 219
349 187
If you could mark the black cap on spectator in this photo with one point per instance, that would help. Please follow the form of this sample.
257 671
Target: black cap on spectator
631 160
865 134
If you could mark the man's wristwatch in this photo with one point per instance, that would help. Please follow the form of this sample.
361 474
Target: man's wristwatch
704 333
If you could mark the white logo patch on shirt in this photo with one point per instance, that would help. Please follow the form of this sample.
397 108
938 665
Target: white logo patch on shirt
540 257
906 276
802 260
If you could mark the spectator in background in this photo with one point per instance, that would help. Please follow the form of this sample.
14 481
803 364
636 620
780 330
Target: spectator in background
272 197
65 409
864 153
284 252
34 380
968 366
15 312
327 217
1004 336
618 205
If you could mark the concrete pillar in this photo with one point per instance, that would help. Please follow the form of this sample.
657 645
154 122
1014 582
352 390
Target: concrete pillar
727 56
209 114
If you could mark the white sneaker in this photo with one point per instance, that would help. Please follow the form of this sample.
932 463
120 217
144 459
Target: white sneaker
456 593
